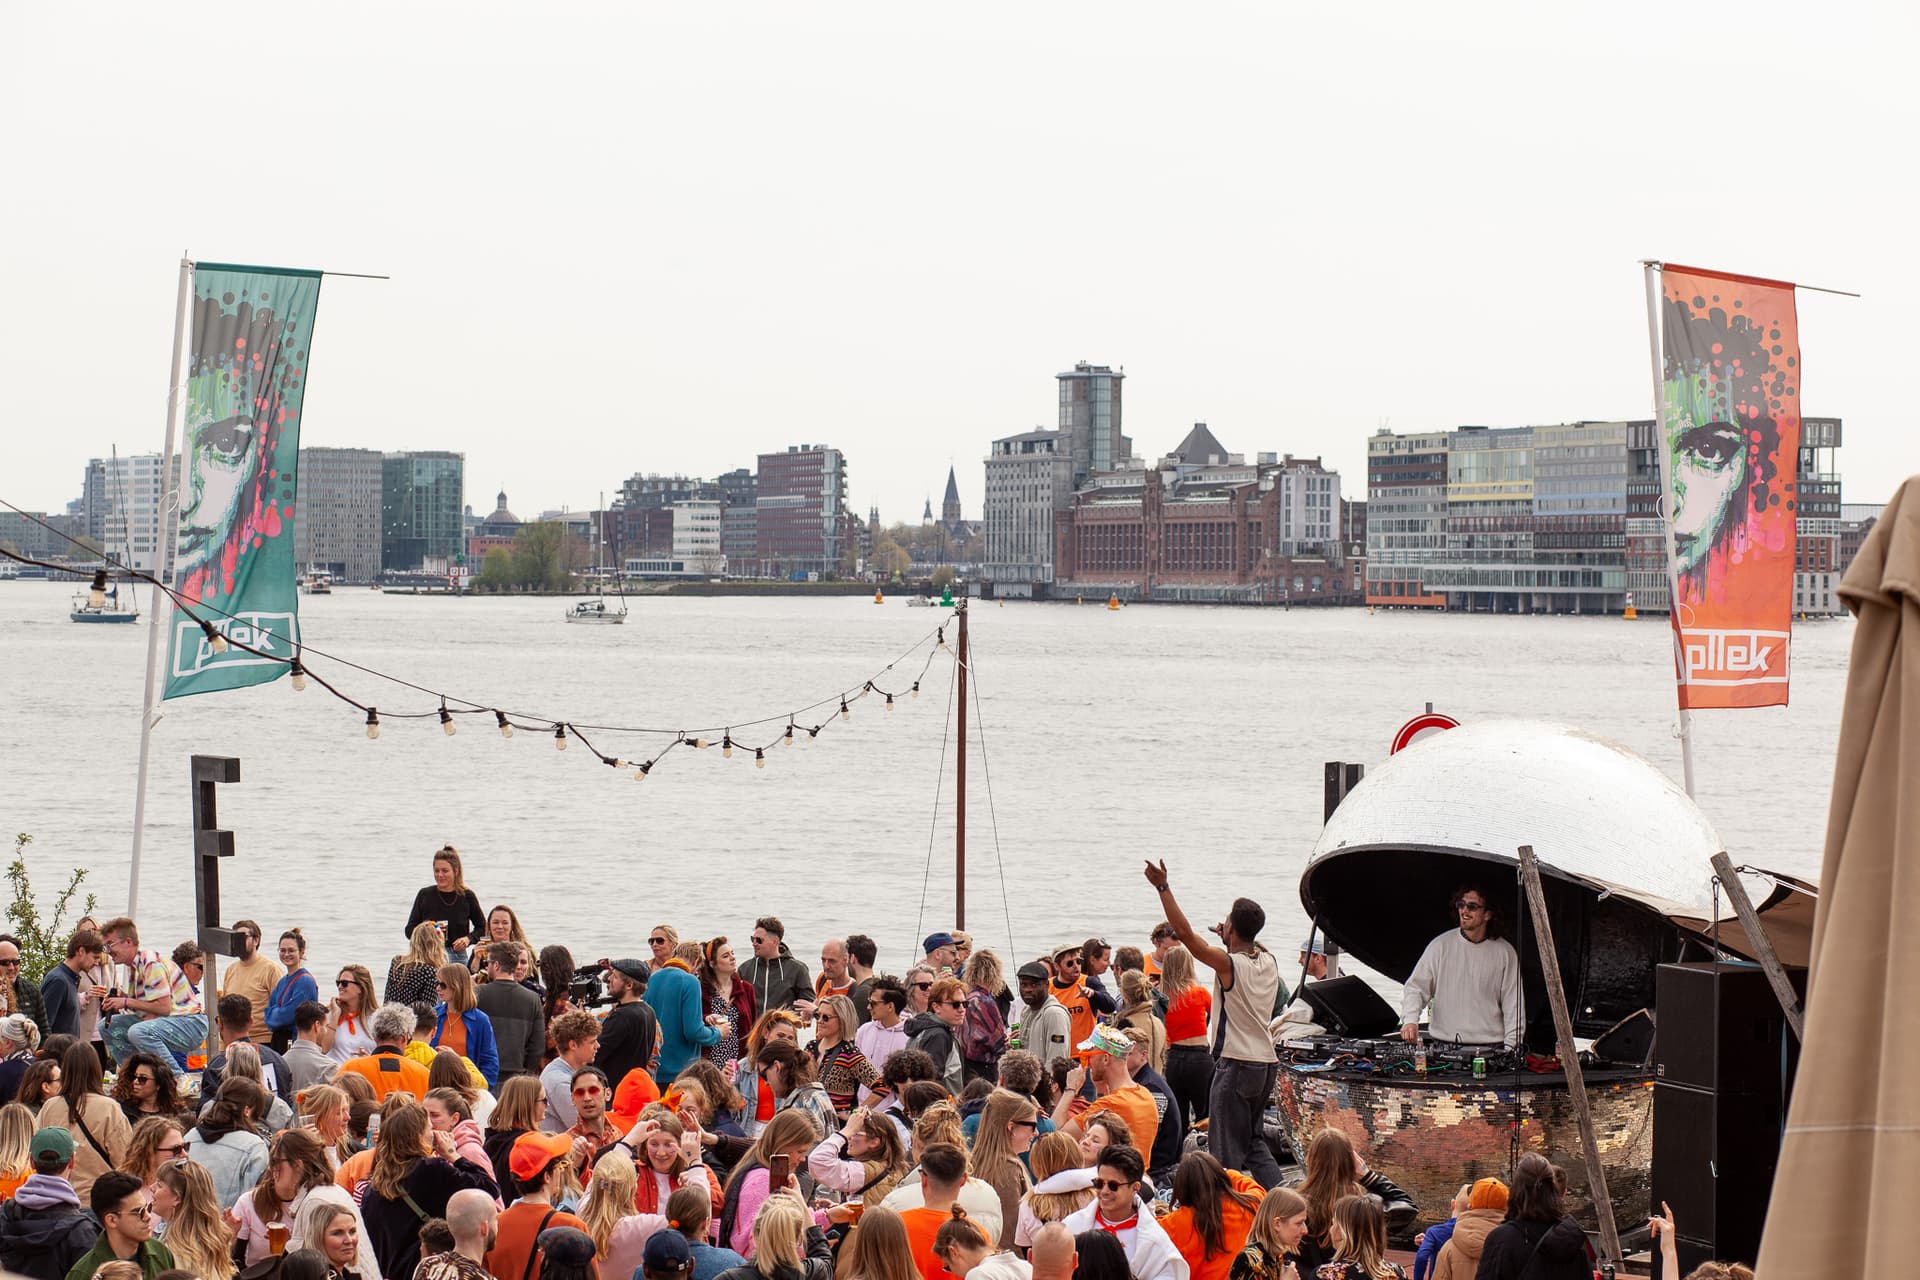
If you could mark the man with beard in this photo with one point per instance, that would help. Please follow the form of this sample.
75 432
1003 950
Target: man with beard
630 1033
254 976
473 1219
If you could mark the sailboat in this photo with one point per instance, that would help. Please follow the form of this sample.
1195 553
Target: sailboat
101 602
595 610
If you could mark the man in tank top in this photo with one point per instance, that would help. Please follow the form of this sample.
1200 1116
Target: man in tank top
1245 1066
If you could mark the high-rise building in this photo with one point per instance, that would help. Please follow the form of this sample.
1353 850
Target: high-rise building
420 511
123 497
640 525
1406 515
1817 559
698 535
1090 415
1029 479
801 510
336 518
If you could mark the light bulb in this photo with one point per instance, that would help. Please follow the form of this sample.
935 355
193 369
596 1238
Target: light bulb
787 740
916 688
866 689
506 730
726 747
559 737
215 641
97 593
844 713
640 774
299 677
889 702
942 633
813 733
373 723
446 722
700 744
759 758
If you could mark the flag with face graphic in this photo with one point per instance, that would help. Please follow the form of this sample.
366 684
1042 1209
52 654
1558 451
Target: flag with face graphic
238 462
1730 400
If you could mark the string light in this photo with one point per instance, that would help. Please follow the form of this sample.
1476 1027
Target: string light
97 593
215 641
813 733
559 737
941 633
726 746
298 676
373 724
889 702
759 757
916 688
640 774
786 739
506 730
446 720
844 713
698 744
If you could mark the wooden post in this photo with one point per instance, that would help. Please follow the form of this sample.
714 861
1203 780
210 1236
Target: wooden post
1569 1057
210 844
1769 960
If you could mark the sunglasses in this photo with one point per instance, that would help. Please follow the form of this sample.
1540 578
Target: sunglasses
1464 905
1026 1124
440 985
656 942
140 1211
1109 1184
923 986
588 1091
178 1149
344 983
9 964
143 1079
949 1004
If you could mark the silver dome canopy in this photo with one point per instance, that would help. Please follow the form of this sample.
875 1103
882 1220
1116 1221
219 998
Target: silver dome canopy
1621 847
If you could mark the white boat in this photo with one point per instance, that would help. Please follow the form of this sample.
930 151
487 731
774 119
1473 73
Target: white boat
113 608
317 582
595 610
920 602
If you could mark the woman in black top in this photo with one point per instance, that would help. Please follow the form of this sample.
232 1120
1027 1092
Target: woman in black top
1538 1238
448 903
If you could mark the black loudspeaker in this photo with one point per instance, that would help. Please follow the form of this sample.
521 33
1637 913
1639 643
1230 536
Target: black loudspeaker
1723 1065
1349 1007
1628 1042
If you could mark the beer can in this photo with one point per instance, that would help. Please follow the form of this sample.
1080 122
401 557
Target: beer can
1479 1068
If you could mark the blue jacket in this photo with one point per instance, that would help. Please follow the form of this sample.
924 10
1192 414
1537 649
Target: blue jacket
287 995
674 995
480 1046
1429 1252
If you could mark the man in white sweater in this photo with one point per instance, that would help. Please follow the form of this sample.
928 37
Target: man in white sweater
1471 979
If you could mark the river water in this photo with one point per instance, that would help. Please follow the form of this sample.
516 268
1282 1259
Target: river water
1191 733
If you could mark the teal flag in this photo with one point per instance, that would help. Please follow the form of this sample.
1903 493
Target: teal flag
238 464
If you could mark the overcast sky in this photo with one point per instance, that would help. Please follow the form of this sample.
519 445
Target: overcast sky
648 238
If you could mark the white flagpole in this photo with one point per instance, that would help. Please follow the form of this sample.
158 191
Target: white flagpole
1664 452
160 611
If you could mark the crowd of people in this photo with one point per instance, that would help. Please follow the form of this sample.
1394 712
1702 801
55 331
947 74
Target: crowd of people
499 1111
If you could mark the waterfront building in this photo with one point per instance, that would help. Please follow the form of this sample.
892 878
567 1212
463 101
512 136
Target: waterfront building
336 517
421 496
123 497
1029 480
698 535
1856 522
640 522
801 519
1406 516
1090 414
1204 525
492 532
1817 565
27 534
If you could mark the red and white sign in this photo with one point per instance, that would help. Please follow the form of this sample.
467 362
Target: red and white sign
1419 727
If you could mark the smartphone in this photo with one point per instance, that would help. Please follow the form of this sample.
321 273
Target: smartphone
781 1173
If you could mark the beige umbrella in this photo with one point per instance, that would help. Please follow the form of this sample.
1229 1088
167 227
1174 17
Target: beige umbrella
1849 1175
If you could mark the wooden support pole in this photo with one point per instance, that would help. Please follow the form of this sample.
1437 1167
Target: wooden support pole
1569 1057
210 844
1762 944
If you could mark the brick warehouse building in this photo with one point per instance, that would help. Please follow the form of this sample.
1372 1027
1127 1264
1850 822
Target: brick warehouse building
1222 531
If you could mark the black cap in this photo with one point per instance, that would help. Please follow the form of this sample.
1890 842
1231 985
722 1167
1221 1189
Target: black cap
635 969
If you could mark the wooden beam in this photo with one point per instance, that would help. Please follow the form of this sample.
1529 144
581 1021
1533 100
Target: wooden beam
1569 1056
1762 944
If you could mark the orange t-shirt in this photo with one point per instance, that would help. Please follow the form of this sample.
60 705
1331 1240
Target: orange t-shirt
389 1073
1079 1016
1133 1104
1187 1016
453 1034
10 1185
518 1228
1236 1221
922 1225
354 1170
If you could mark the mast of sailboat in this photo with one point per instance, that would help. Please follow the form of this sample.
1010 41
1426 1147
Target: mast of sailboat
960 785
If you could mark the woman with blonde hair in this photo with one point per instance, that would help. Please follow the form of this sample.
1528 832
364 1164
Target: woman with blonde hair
412 975
324 1108
663 941
983 1028
790 1134
16 1148
461 1025
864 1162
1136 1013
880 1248
243 1063
839 1065
155 1140
332 1232
1189 1069
345 1034
620 1230
1008 1124
198 1234
1062 1185
1279 1224
786 1244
